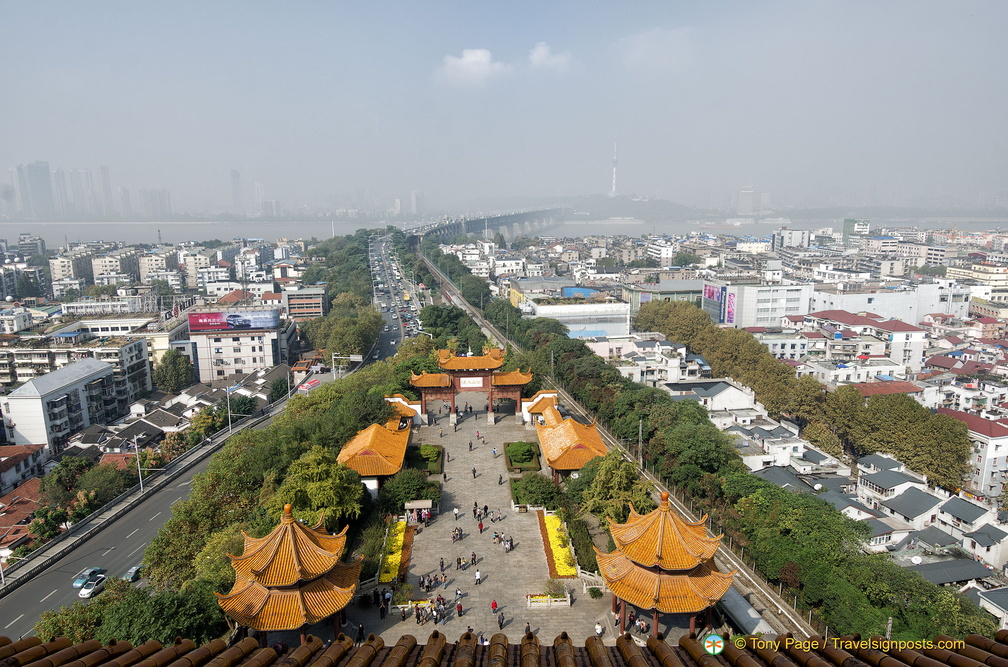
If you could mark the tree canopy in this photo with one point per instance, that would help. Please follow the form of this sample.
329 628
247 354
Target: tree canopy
173 372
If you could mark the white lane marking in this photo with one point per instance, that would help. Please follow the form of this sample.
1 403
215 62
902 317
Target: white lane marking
48 596
14 621
177 499
108 552
181 484
155 516
131 534
136 550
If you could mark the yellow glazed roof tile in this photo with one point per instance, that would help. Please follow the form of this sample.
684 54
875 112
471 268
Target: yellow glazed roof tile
683 593
664 539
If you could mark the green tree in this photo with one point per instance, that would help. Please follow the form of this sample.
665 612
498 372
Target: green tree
617 484
173 372
27 287
48 522
278 389
820 435
406 485
806 401
60 486
317 485
213 564
240 406
102 483
161 288
539 491
142 614
845 410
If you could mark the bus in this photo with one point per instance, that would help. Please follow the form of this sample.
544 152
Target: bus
405 296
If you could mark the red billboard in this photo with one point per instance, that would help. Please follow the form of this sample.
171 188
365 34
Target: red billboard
234 320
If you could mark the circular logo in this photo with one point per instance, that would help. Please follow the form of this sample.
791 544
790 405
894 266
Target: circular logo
713 644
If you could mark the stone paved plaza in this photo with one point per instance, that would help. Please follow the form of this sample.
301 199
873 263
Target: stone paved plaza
506 577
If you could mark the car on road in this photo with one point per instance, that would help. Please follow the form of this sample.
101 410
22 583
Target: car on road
86 575
93 587
134 573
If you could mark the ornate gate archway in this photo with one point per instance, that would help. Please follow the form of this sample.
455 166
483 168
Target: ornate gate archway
462 374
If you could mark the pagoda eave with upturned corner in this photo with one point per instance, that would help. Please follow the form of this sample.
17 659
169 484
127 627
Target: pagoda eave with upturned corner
663 564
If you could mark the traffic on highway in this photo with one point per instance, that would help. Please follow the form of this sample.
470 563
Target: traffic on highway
397 297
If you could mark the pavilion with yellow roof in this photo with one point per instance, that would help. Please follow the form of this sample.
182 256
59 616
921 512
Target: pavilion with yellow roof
470 373
290 579
567 444
663 563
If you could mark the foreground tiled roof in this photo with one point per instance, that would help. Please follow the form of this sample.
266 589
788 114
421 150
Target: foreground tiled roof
466 652
662 538
569 445
681 593
541 401
376 451
292 552
492 360
426 379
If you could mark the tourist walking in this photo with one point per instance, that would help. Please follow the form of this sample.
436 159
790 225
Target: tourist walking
495 452
481 527
477 577
458 609
474 472
493 607
528 628
500 620
500 479
360 635
455 512
442 566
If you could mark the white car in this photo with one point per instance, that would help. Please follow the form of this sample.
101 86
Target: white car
93 587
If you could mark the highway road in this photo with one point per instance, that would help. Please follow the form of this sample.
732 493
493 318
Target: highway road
116 548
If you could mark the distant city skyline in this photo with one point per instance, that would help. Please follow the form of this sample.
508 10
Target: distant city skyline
343 106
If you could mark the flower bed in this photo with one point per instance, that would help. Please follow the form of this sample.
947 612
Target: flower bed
407 552
393 552
558 556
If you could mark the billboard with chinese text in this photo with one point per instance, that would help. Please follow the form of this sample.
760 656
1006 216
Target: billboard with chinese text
234 320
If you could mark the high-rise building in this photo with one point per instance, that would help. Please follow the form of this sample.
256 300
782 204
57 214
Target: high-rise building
60 193
107 203
236 190
745 200
77 186
260 197
855 227
155 204
33 190
124 203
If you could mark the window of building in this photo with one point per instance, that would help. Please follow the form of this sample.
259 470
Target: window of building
236 349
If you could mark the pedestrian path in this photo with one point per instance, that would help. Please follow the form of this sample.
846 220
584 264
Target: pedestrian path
506 577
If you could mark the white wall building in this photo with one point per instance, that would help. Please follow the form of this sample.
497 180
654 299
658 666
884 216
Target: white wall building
52 407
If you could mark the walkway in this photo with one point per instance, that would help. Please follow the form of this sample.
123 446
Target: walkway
506 577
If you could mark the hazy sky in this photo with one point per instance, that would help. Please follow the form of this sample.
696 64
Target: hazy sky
467 99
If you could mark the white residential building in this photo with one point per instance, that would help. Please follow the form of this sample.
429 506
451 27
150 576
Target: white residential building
50 408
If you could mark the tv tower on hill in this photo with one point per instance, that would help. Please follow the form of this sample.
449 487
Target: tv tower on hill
612 193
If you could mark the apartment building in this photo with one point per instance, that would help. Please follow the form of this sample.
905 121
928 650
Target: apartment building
75 264
304 303
26 358
52 407
157 262
121 262
989 459
231 342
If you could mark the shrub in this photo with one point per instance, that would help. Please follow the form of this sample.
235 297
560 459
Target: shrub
539 491
521 452
583 545
430 453
594 592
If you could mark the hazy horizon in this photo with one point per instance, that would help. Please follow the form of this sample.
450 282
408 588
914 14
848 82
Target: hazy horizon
810 103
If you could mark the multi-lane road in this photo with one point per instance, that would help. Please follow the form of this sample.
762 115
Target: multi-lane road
116 548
